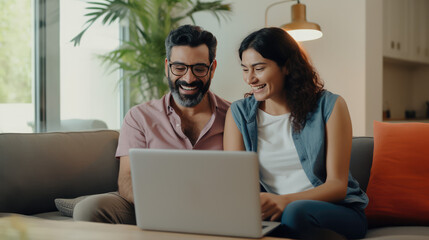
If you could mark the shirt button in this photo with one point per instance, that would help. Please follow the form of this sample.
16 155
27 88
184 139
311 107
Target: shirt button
177 125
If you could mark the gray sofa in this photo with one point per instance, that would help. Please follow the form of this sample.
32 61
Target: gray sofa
35 169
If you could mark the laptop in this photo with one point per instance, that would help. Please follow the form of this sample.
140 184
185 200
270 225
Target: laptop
198 191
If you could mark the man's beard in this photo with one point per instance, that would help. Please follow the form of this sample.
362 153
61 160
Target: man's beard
185 99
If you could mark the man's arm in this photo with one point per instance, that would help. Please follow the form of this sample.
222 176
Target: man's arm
124 179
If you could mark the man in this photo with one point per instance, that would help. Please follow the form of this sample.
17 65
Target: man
189 117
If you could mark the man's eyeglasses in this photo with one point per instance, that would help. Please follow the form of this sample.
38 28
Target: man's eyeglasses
199 70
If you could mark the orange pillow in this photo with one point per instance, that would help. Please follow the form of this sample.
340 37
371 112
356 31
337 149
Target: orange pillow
398 187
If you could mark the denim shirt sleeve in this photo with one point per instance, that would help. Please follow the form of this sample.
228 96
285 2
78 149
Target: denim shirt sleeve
244 114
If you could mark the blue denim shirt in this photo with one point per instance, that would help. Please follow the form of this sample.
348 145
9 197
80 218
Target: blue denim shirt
309 142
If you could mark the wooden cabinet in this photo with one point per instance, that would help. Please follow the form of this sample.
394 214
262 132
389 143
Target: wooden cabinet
406 59
395 28
421 43
406 30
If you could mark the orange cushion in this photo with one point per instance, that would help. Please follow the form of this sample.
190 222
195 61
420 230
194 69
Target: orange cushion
398 187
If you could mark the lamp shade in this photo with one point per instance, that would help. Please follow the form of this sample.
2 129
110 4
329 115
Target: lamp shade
299 28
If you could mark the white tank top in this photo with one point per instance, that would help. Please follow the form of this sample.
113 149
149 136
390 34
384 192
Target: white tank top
281 171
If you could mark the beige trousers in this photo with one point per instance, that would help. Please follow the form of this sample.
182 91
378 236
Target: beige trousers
106 207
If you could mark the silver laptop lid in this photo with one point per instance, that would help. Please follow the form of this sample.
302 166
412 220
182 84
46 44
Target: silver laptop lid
196 191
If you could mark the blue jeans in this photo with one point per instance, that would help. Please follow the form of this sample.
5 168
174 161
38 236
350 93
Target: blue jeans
308 218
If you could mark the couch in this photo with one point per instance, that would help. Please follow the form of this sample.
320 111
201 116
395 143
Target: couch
35 169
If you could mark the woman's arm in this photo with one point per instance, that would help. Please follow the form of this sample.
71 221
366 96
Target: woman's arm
338 143
232 138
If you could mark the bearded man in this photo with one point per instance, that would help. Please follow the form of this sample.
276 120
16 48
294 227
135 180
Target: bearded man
188 117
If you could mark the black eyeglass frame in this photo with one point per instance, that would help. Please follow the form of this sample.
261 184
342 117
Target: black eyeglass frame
192 68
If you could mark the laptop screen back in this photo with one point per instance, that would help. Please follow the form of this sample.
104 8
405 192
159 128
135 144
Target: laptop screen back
196 191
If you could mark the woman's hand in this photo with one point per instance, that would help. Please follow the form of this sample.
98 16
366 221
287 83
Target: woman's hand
272 206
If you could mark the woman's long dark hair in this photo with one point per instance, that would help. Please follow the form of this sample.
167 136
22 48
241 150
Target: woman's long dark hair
303 86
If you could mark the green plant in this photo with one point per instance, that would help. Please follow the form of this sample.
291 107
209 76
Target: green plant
141 56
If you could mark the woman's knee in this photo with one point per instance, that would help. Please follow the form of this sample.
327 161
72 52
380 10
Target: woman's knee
297 215
310 216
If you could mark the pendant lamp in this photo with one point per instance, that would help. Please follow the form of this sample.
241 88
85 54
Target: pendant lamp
300 29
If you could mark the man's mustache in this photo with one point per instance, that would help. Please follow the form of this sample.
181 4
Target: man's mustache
197 83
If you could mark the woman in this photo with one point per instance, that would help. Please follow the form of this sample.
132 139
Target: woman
302 134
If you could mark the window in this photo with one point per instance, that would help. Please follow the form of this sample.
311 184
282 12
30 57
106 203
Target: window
16 66
88 89
47 84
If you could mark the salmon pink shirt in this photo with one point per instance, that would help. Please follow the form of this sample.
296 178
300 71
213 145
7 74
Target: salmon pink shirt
155 124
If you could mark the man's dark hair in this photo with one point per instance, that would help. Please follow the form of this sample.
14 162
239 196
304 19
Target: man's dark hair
193 36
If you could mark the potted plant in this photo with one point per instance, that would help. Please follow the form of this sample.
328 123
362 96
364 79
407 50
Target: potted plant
148 22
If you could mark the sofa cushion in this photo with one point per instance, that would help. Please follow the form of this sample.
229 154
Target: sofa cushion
398 233
66 206
36 168
361 159
398 188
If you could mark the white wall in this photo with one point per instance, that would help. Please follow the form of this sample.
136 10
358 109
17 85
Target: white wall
340 56
373 64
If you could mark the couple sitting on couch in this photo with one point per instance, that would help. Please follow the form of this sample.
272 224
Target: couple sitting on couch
302 133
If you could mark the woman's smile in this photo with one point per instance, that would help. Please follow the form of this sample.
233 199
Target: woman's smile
258 88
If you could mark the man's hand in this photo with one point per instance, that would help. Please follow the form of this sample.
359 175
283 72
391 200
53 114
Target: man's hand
125 187
272 206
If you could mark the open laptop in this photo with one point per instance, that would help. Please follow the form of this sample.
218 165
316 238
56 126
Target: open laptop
198 191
